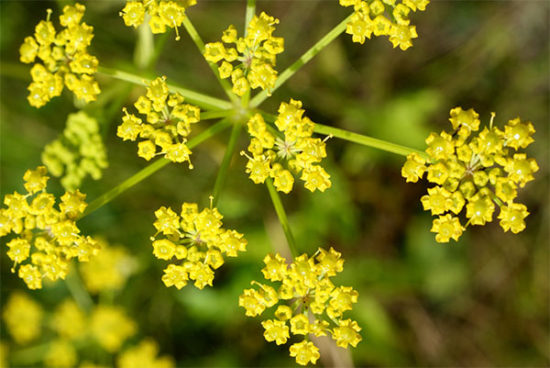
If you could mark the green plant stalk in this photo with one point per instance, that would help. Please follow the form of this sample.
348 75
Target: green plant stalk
250 11
29 356
229 152
199 99
281 214
307 56
145 46
78 291
366 140
200 45
207 115
151 169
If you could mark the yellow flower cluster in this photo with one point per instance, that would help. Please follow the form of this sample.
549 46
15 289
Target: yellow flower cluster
65 58
254 54
474 173
317 308
198 240
298 148
61 354
162 14
144 355
46 237
109 270
168 123
77 153
23 317
384 18
110 326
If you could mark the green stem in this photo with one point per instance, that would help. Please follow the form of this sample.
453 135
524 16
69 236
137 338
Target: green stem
206 115
200 45
307 56
196 98
230 150
28 356
78 291
281 214
366 141
151 169
250 11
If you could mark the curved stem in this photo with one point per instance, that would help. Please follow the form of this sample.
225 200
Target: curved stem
281 214
196 98
200 45
151 169
307 56
78 291
222 173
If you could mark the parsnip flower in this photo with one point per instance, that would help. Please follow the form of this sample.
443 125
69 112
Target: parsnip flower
476 172
110 327
167 124
46 238
318 306
295 147
250 62
383 18
23 318
144 355
197 241
64 56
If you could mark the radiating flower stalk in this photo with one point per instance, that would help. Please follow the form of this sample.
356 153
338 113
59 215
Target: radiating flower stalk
314 305
196 241
64 58
46 237
473 171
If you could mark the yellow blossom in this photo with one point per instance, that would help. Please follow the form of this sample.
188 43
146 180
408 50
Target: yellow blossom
144 355
61 354
23 317
110 326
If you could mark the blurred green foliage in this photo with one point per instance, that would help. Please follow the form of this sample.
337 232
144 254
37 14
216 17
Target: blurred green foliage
481 302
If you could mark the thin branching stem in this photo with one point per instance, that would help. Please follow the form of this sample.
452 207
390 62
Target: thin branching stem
281 214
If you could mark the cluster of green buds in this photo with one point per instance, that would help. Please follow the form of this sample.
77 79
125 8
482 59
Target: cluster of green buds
384 18
64 56
77 153
251 61
474 173
168 123
292 143
162 14
197 240
317 305
47 238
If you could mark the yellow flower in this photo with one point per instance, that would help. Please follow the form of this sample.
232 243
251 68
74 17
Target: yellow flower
110 326
347 333
61 354
167 124
275 331
64 56
305 352
144 355
474 171
23 318
68 320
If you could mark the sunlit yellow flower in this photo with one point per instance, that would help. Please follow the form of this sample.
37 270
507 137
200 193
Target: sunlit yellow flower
23 318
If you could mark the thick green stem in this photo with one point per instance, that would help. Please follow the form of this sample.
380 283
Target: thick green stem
193 97
200 45
78 291
207 115
307 56
229 152
250 11
29 356
151 169
281 214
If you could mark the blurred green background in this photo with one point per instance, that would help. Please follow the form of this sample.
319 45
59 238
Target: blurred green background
483 301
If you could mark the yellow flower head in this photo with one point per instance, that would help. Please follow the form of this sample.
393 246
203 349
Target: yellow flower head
144 355
163 14
68 320
47 238
474 170
318 308
64 56
167 123
61 354
196 241
292 143
23 318
110 326
249 60
383 18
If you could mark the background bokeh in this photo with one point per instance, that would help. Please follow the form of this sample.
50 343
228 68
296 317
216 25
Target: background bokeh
483 301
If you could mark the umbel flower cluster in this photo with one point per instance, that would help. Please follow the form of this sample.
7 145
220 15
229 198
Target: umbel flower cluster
168 123
317 306
301 152
197 240
64 56
162 14
473 172
47 238
384 18
249 60
77 153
